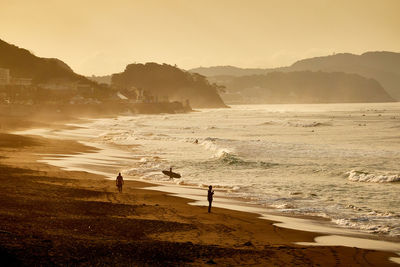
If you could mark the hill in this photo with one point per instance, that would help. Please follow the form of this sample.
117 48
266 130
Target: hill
169 81
228 71
304 87
383 66
23 64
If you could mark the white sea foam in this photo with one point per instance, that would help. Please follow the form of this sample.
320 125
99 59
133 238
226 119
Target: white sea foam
359 176
211 144
363 224
307 124
285 206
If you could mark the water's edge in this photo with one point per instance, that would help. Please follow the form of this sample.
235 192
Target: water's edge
108 159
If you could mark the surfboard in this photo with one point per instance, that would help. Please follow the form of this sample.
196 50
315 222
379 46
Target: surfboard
172 174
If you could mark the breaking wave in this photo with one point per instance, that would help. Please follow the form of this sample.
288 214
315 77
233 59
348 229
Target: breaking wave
211 144
369 227
307 124
360 176
297 123
228 156
232 159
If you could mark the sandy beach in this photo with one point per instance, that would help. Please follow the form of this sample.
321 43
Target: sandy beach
183 133
50 216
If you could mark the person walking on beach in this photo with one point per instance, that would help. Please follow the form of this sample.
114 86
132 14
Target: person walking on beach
210 198
119 182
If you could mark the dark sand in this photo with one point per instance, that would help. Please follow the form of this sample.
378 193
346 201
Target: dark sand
53 217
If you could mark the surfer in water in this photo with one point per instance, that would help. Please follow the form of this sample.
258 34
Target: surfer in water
210 198
119 182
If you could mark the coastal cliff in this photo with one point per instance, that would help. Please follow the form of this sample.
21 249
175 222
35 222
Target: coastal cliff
166 81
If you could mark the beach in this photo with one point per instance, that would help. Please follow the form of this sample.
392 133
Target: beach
333 161
52 216
180 133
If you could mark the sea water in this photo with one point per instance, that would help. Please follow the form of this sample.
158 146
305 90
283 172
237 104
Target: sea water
338 161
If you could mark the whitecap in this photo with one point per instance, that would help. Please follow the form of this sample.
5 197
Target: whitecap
360 176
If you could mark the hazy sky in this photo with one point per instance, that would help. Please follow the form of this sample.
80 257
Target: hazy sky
102 36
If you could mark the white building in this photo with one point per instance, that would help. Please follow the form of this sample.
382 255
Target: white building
4 76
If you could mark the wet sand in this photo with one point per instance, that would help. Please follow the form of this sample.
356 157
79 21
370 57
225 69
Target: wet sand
50 216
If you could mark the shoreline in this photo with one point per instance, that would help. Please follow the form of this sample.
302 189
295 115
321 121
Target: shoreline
325 231
112 154
303 238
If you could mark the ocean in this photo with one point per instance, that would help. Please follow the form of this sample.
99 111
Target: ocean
337 161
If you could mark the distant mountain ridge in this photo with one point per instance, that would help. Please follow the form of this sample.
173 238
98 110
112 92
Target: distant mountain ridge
382 66
106 79
227 70
23 64
377 60
304 87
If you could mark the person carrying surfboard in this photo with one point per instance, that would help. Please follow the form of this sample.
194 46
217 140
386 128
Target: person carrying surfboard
210 198
119 182
171 174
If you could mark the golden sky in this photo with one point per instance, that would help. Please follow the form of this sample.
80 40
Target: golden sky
101 37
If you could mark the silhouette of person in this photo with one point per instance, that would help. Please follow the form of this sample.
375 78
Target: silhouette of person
196 142
119 182
210 197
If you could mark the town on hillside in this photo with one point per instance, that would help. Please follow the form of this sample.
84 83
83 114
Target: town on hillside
25 91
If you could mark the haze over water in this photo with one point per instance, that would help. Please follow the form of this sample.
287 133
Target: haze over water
339 161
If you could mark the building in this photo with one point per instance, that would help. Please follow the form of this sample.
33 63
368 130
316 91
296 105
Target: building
4 76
